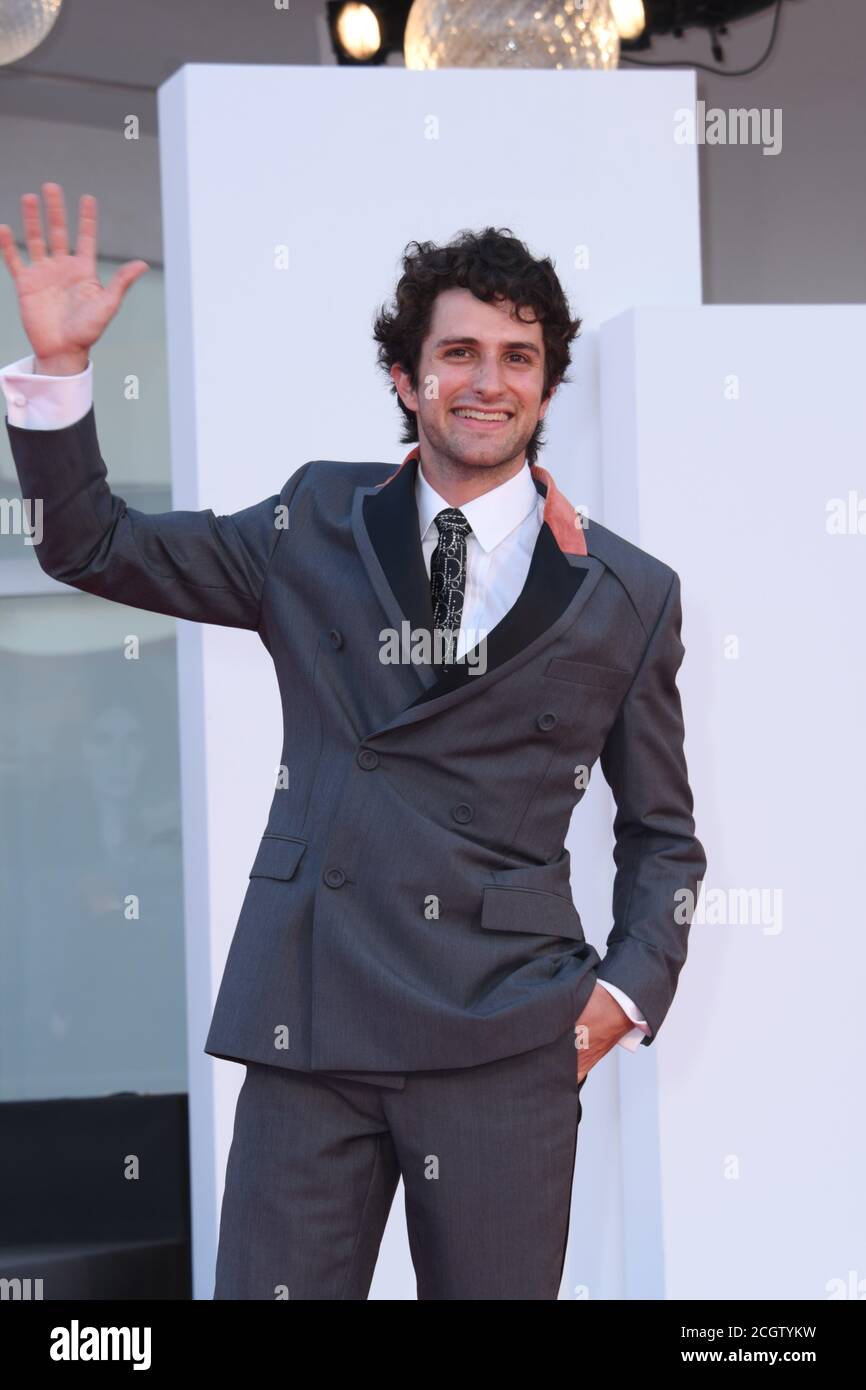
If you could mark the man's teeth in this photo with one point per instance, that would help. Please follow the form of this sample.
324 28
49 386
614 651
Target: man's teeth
482 414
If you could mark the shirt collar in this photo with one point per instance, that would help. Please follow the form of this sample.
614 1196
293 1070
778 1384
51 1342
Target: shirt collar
564 520
492 516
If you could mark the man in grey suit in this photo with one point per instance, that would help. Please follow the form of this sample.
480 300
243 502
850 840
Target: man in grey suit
455 648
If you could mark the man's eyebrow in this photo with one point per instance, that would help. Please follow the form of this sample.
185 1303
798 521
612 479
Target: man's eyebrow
473 342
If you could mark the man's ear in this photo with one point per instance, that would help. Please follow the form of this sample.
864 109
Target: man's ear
543 408
403 382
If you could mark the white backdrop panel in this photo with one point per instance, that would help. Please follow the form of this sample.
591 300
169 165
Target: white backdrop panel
728 433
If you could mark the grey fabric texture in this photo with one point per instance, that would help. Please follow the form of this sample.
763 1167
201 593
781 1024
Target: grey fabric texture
486 1155
410 904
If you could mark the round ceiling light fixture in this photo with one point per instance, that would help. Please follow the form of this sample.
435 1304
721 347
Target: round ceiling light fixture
24 24
511 34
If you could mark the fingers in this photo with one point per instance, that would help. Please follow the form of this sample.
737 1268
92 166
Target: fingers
86 244
32 218
123 277
56 214
9 250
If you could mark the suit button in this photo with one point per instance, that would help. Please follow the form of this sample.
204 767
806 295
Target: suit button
546 720
463 812
367 759
335 878
336 638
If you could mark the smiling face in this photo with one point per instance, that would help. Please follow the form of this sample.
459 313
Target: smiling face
480 386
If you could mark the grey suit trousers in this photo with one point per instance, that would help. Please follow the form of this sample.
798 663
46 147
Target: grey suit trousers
486 1154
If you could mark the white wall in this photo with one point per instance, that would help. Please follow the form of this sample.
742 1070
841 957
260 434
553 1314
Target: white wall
727 434
271 367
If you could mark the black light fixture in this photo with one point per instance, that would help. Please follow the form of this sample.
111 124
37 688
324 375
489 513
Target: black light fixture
663 17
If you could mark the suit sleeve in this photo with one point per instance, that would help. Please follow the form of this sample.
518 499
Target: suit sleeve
187 564
660 863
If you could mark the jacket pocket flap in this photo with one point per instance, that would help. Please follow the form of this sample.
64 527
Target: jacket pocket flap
529 910
585 673
278 856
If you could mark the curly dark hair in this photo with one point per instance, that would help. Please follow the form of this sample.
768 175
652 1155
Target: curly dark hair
493 264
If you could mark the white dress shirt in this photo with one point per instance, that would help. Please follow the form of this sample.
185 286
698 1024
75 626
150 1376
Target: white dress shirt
505 523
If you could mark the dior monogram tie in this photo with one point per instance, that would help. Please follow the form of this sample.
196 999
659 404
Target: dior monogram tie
448 576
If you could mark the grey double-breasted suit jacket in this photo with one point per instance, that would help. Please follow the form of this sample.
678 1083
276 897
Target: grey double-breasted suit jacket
410 905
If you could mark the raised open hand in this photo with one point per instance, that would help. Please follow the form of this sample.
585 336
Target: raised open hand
64 308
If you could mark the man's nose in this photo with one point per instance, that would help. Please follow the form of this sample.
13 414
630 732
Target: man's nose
488 378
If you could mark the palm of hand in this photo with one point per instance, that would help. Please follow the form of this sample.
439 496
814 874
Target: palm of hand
62 304
64 308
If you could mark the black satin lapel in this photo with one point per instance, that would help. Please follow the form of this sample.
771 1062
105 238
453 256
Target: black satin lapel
551 584
391 518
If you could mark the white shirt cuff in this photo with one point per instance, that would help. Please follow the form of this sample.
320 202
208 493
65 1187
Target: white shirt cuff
632 1040
37 402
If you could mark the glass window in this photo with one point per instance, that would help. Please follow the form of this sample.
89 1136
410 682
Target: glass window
92 996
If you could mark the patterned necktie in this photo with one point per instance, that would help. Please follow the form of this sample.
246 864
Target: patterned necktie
448 575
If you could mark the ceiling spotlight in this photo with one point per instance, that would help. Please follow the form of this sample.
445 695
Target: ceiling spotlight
662 17
358 32
629 16
364 35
